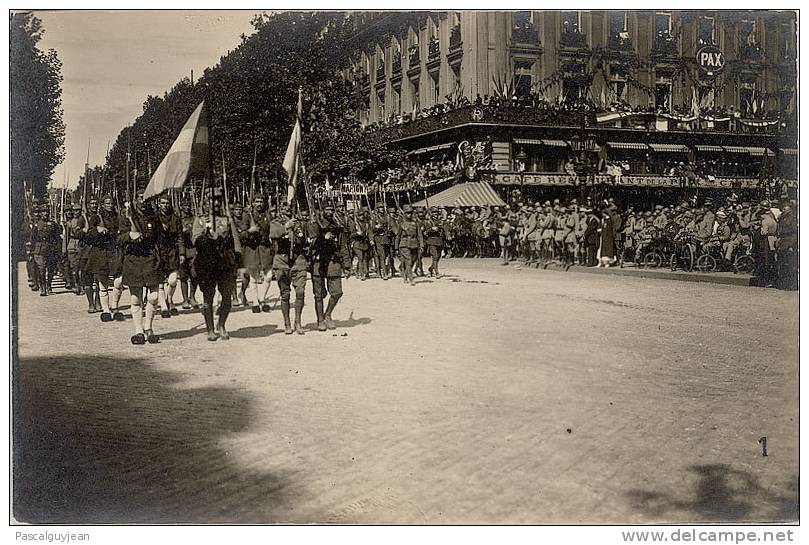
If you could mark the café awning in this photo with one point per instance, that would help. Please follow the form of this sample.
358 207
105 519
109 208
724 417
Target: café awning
669 148
629 145
465 194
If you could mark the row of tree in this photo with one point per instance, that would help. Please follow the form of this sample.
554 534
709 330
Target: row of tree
251 98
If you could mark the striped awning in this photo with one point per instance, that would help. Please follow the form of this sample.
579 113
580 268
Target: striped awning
628 145
555 143
716 149
466 194
790 151
758 152
736 149
669 148
530 141
432 148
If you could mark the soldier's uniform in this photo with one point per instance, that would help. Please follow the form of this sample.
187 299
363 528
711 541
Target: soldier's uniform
381 233
257 255
139 235
409 241
188 281
75 235
361 243
291 239
171 250
102 257
329 252
215 265
45 240
434 235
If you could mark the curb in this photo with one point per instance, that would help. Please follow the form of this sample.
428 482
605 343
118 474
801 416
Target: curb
712 278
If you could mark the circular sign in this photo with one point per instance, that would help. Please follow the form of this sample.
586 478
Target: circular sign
710 60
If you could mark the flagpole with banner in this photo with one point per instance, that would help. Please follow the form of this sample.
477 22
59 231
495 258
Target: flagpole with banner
188 155
292 158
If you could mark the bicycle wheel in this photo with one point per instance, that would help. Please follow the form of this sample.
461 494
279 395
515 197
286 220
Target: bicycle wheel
744 264
673 261
689 257
652 259
706 263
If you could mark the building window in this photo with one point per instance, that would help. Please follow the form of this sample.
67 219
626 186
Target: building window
416 98
663 38
523 29
436 93
523 77
619 34
572 90
706 97
618 90
380 106
663 95
705 34
747 94
748 44
397 100
571 22
396 52
785 42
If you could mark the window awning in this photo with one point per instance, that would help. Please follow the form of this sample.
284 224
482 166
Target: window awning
736 149
790 151
628 145
758 152
669 148
717 149
531 141
555 143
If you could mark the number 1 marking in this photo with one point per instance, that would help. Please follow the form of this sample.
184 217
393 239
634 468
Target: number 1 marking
763 442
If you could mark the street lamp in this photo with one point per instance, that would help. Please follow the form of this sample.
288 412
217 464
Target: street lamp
585 166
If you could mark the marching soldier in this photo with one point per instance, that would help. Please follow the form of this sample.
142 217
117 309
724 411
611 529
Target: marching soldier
239 221
139 233
361 243
172 255
329 253
435 235
216 241
188 282
45 236
75 234
421 219
381 233
291 238
409 241
257 254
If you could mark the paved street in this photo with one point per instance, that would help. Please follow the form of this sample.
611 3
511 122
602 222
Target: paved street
492 395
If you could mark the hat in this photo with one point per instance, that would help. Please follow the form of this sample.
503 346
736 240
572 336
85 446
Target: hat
574 201
765 204
721 215
658 207
647 214
407 208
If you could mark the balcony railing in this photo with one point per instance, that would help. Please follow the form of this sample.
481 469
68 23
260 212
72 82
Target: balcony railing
455 37
573 40
433 50
413 56
619 43
524 34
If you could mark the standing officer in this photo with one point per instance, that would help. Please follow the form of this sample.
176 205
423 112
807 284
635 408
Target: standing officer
409 241
329 253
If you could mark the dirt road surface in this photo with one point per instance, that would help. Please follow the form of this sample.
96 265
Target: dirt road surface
492 395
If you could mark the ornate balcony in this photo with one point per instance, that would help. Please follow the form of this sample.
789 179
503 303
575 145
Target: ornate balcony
618 42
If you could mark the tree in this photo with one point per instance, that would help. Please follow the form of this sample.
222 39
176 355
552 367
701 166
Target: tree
37 130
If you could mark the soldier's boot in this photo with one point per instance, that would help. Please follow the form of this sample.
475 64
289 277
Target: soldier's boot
329 308
298 313
97 298
321 325
42 283
223 316
90 294
207 313
285 314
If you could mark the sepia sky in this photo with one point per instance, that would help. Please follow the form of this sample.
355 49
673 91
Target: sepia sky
111 60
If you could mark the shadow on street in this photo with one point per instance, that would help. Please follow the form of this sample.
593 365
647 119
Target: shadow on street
115 441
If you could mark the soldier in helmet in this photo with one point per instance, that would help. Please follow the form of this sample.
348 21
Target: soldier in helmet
45 236
291 238
171 254
257 255
435 235
361 242
381 241
74 234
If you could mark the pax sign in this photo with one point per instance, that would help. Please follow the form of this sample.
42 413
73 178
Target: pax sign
710 59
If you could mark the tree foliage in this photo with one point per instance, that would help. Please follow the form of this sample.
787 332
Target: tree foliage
251 98
37 130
